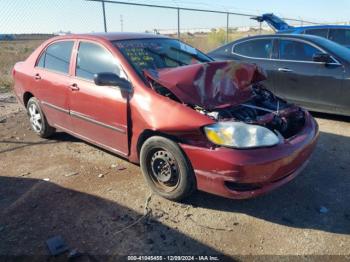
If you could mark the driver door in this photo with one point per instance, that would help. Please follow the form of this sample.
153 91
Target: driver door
99 113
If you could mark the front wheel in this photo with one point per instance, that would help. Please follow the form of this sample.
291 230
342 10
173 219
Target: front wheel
166 169
38 120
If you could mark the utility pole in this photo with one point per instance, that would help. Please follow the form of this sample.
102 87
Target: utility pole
104 16
227 26
260 27
121 23
178 23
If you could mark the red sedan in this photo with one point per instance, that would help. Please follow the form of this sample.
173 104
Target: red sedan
190 122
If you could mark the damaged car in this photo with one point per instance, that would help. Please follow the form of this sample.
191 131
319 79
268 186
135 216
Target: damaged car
190 122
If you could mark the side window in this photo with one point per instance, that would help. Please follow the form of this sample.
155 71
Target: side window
93 59
341 36
257 48
318 32
41 62
57 56
297 51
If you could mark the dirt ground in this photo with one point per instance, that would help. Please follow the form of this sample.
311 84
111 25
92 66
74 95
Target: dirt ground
97 202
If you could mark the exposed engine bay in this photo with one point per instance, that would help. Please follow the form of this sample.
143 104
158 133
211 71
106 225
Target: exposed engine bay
265 109
227 91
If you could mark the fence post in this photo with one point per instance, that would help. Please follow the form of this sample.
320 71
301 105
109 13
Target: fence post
178 23
260 27
104 16
227 25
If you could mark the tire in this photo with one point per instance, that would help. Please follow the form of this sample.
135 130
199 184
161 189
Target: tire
166 168
38 120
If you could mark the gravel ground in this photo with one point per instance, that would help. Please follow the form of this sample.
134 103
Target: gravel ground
97 202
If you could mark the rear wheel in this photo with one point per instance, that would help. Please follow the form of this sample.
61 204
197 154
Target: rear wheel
166 168
37 119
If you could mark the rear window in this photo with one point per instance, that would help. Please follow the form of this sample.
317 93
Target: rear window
57 56
257 48
340 36
318 32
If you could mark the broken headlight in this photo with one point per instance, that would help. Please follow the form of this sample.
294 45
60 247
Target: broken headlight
240 135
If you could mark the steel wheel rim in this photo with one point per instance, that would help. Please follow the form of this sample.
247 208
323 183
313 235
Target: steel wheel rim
163 170
35 118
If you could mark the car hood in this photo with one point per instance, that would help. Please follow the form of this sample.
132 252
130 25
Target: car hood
209 85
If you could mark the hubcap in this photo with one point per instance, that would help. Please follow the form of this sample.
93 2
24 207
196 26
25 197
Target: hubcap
164 170
35 118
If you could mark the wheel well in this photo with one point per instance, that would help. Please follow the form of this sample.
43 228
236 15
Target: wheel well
149 133
26 97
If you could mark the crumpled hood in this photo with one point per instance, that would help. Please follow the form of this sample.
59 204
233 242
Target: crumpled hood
209 85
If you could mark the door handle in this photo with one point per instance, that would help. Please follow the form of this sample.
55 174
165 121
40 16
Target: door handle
74 87
285 70
37 77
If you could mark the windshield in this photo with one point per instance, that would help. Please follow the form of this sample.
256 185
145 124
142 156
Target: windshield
146 54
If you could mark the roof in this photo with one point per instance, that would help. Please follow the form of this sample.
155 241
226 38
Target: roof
317 27
298 36
113 36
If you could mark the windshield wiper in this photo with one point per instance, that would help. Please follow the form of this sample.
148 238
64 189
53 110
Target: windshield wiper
166 56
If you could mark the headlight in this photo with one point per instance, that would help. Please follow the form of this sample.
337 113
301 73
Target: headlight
240 135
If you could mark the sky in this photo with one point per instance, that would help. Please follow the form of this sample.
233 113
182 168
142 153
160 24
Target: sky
50 16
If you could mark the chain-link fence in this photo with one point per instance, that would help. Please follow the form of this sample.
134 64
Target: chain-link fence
63 16
25 24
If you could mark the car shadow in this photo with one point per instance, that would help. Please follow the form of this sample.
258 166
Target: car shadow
64 137
331 116
33 211
318 199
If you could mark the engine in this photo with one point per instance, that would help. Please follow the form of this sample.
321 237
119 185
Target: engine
263 109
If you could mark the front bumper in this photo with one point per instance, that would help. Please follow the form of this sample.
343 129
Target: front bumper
241 174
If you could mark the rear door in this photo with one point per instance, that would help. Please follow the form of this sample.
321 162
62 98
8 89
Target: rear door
99 113
301 80
52 79
259 51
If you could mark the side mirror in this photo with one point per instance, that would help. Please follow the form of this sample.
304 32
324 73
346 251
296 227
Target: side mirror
110 79
322 58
